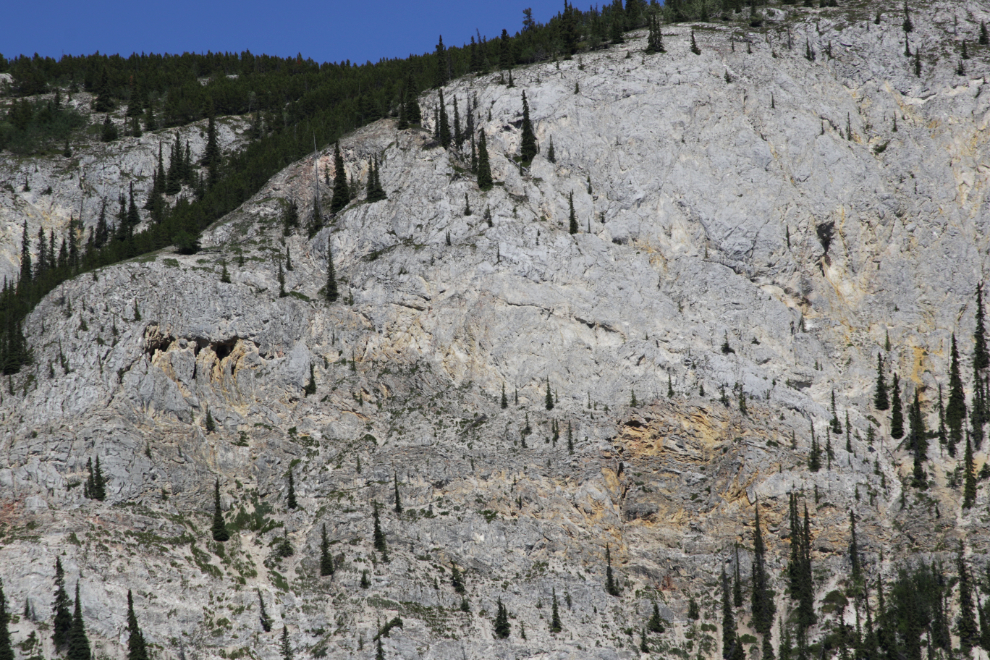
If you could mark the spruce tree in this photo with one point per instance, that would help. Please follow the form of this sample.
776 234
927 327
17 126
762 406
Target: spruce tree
443 128
6 647
266 623
398 500
835 423
880 399
551 153
918 440
763 606
966 626
136 648
969 477
484 167
441 60
955 411
341 193
655 624
502 629
211 155
815 457
856 572
290 500
731 646
555 626
504 403
548 399
211 425
62 621
220 533
611 586
896 414
572 226
456 579
570 438
413 113
326 560
285 646
528 147
378 534
78 641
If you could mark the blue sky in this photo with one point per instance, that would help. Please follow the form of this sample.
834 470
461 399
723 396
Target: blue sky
330 30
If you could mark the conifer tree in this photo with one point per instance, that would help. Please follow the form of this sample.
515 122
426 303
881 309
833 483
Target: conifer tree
984 38
611 587
502 629
326 560
224 274
78 640
570 438
398 500
443 130
654 42
955 410
655 624
504 403
441 58
458 136
548 399
966 626
880 399
896 414
211 155
136 648
413 113
551 153
290 500
815 457
379 535
555 626
763 606
220 533
95 487
6 648
286 647
731 647
694 612
855 572
341 194
62 621
969 477
528 148
456 579
211 425
266 623
836 424
918 440
281 292
572 226
484 167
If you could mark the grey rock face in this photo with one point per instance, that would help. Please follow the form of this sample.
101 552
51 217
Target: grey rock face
700 263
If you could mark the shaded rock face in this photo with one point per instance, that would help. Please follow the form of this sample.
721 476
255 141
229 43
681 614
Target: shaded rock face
704 262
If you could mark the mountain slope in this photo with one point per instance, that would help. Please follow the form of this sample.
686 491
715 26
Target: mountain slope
708 183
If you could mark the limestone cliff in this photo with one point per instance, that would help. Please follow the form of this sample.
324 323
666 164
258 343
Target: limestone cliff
750 222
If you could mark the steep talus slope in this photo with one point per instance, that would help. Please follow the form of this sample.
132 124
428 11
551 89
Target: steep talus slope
703 186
